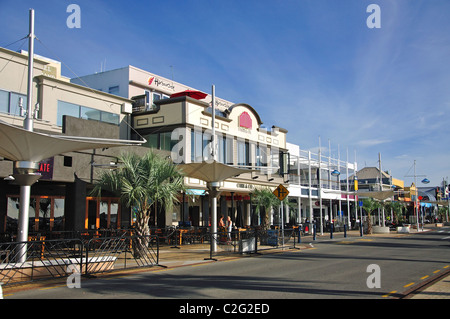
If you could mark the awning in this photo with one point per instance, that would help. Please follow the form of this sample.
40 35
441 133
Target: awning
440 202
211 171
198 192
18 144
380 195
198 95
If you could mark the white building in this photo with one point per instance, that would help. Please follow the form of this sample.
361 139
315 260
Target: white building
320 181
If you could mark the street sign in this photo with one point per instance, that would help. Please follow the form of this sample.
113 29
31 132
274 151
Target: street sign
281 192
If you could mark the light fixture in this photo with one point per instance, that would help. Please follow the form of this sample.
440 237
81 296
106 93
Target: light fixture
335 173
425 181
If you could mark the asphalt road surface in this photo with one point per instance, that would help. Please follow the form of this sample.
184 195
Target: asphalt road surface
355 268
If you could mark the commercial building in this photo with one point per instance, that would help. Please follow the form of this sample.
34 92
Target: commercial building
60 200
130 103
182 126
320 186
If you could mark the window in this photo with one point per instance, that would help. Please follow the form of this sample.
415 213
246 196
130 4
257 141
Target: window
68 161
9 102
165 141
114 90
243 153
110 118
65 108
152 141
87 113
46 214
14 103
196 146
4 101
160 141
221 149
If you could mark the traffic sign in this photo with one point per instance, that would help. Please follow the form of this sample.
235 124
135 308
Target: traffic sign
281 192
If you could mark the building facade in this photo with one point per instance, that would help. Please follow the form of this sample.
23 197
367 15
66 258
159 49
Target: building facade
320 188
60 200
182 127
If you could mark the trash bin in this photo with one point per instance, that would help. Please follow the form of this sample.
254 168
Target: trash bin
247 245
272 237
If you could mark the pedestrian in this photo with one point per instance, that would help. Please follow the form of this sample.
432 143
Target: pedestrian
221 223
230 227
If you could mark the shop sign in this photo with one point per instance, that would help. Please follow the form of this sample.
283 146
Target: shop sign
161 83
245 120
46 168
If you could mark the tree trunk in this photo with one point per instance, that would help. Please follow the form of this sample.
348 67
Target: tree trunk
142 234
369 224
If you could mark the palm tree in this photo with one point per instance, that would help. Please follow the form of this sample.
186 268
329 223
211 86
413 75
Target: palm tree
264 198
397 209
369 205
142 183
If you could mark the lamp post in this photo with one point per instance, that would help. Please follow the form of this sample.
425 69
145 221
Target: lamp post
416 199
333 173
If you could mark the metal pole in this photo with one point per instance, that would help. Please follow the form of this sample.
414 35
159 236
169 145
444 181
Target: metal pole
320 188
22 234
282 223
25 190
213 123
28 122
416 193
214 220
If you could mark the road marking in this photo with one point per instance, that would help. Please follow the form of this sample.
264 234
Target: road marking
436 271
408 285
446 266
424 277
387 295
58 286
445 238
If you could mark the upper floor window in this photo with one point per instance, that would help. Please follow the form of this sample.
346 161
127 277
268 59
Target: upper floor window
83 112
114 90
10 102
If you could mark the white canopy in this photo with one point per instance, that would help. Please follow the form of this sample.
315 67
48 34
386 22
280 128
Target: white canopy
211 171
380 195
18 144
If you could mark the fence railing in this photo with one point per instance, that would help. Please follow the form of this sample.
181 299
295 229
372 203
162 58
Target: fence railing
56 258
251 241
43 259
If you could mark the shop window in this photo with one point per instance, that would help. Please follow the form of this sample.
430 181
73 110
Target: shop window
103 214
46 213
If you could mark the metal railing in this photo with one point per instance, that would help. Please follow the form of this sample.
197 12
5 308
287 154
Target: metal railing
22 262
251 241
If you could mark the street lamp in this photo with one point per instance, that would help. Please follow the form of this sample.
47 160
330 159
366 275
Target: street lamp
335 173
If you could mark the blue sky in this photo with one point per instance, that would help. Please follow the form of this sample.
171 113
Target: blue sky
310 66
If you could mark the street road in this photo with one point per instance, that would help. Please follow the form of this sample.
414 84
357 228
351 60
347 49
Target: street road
335 268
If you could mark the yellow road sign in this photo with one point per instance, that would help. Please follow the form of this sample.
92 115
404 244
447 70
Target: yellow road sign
281 192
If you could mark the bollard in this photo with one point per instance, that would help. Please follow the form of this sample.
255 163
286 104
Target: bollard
345 230
299 234
360 227
314 231
331 230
